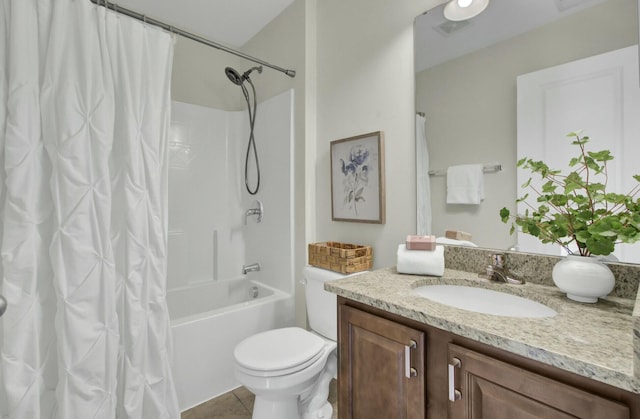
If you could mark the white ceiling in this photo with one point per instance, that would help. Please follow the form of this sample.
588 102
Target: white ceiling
229 22
234 22
501 20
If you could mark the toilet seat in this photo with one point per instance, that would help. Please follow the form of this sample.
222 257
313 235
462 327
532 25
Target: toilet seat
278 352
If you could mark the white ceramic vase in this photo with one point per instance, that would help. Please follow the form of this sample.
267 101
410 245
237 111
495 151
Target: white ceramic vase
583 278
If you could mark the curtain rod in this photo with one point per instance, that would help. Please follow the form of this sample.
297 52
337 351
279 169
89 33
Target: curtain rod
173 29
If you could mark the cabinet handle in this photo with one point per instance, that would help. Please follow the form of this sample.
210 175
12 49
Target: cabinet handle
454 394
408 370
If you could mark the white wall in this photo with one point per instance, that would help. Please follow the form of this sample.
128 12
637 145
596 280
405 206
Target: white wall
207 196
365 82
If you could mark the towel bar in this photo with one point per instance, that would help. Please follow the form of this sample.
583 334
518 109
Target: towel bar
487 168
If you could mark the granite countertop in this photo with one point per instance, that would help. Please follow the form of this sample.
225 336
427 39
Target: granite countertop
592 340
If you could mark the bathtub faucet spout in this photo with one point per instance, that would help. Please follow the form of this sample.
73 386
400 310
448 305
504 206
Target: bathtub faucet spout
250 268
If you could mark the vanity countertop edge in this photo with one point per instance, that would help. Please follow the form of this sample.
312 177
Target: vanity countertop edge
598 341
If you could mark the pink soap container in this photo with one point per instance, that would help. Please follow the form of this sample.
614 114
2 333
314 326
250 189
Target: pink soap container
421 242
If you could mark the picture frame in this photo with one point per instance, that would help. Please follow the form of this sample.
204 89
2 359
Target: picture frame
357 179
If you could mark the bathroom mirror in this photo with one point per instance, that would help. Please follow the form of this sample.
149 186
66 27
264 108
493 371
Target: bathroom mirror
466 87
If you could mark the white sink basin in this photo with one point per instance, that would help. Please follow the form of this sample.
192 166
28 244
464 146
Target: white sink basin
485 301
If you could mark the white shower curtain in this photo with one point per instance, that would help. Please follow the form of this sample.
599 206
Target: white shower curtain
423 192
84 117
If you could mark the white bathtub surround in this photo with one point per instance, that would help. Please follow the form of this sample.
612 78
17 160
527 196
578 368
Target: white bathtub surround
208 201
210 242
84 118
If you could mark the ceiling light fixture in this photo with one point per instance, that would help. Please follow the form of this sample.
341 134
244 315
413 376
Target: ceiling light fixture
464 9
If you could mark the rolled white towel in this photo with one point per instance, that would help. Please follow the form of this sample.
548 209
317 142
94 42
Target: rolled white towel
420 262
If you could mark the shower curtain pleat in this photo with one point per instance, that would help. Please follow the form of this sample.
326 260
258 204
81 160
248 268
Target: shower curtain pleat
139 169
29 351
83 130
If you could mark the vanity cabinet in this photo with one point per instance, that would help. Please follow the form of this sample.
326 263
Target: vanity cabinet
492 389
382 375
381 367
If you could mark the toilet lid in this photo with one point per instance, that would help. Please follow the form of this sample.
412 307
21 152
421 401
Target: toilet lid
278 349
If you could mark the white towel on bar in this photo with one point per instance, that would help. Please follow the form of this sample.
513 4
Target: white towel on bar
465 184
420 262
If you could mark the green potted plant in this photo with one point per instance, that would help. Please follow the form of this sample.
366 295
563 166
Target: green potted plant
575 211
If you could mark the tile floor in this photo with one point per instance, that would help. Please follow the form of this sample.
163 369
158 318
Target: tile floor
238 404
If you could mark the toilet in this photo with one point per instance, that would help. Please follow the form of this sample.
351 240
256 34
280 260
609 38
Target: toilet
289 369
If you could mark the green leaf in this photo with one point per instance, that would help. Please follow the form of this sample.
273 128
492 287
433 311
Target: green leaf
595 187
599 245
604 155
549 187
504 214
579 199
533 229
572 182
602 228
559 200
592 164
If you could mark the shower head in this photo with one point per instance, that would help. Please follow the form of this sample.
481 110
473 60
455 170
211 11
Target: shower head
233 75
238 79
245 76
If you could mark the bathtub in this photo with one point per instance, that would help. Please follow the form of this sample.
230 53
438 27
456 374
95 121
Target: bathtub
207 321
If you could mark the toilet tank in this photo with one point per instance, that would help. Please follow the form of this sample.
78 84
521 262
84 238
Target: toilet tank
321 304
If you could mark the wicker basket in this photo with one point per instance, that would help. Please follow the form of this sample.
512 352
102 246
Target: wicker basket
341 257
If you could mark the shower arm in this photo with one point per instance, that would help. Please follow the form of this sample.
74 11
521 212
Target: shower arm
144 18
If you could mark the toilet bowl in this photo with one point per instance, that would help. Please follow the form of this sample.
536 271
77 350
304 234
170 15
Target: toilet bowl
289 369
282 367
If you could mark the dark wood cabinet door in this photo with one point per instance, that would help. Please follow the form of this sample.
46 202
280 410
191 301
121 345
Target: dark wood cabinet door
492 389
381 371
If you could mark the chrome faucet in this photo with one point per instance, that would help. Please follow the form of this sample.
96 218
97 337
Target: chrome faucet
497 271
257 210
250 268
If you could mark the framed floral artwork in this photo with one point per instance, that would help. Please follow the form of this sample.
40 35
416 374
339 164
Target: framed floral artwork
357 179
